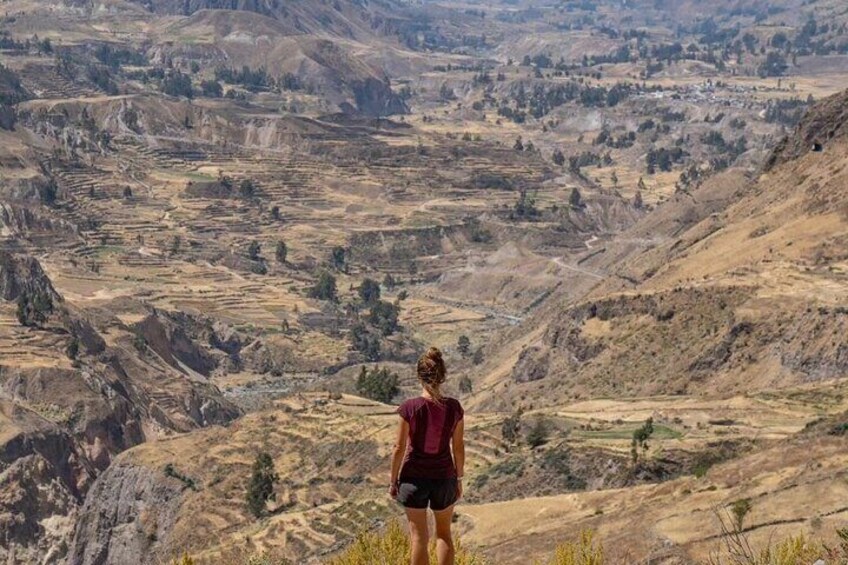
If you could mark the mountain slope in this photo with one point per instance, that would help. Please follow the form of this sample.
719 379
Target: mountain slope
751 296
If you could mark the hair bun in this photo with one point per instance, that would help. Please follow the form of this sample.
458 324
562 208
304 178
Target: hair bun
431 367
434 354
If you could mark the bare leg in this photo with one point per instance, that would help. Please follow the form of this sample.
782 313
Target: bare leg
444 539
418 535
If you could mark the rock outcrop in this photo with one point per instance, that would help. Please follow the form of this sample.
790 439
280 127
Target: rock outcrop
127 513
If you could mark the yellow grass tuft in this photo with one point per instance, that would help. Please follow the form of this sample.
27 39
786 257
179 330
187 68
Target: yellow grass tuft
795 550
584 551
392 548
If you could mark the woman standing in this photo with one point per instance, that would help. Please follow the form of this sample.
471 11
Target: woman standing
429 460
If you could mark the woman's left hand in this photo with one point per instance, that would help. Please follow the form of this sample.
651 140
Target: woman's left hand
393 490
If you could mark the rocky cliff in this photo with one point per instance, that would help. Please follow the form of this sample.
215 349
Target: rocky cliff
64 416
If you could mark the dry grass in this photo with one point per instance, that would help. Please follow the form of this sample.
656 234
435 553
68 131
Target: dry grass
392 547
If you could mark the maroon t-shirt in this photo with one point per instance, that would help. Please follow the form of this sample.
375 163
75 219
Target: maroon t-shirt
431 426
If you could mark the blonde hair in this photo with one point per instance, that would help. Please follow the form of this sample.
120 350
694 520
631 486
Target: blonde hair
432 372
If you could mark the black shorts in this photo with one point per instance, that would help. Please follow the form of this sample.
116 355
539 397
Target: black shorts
438 494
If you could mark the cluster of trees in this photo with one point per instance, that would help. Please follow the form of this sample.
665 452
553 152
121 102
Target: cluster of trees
663 159
257 80
605 137
177 83
588 159
537 435
733 149
116 57
378 384
34 307
525 207
543 98
786 112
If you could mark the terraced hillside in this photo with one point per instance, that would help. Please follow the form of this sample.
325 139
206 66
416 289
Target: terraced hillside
332 457
216 214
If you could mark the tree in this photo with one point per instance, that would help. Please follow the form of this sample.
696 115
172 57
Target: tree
575 198
369 291
389 281
739 510
465 385
48 192
640 438
128 193
281 252
275 213
338 258
253 250
72 350
260 489
477 359
384 316
34 308
247 188
23 309
176 243
774 65
637 200
539 433
377 384
511 427
463 344
519 145
558 158
176 83
364 342
325 288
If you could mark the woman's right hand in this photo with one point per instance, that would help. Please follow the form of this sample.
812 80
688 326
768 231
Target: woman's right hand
393 490
458 488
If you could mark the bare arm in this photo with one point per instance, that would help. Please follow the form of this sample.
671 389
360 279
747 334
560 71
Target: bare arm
458 444
397 456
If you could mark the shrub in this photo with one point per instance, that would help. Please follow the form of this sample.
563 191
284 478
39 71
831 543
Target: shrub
188 482
511 426
391 547
584 551
539 433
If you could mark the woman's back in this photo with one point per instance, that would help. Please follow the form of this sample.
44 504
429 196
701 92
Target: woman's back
431 427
